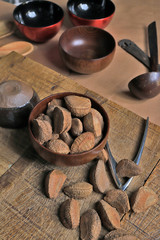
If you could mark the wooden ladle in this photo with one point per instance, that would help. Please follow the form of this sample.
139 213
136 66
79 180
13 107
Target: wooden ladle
148 85
21 47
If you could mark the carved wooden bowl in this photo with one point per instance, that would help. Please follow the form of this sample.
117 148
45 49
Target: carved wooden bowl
67 159
86 49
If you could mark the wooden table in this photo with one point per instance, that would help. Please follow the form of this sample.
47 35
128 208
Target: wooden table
130 21
25 211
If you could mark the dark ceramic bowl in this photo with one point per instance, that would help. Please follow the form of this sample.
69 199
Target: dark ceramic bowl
16 102
86 49
90 12
67 159
38 20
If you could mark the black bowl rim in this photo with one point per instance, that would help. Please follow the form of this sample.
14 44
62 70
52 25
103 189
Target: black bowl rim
91 27
70 155
91 19
30 2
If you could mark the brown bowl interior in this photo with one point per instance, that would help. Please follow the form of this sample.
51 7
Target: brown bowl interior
67 159
87 42
86 49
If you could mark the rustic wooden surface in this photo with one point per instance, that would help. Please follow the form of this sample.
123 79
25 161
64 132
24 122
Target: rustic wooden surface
25 211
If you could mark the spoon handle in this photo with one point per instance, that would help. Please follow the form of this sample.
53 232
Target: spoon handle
152 37
112 165
130 47
139 154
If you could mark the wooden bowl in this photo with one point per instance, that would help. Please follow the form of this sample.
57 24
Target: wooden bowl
90 12
86 49
67 159
16 102
38 20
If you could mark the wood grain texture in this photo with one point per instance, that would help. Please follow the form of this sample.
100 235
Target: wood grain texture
25 211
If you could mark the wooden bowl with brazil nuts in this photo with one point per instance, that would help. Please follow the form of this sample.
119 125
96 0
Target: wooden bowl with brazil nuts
73 158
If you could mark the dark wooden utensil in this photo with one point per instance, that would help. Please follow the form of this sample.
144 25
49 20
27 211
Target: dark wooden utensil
148 85
132 48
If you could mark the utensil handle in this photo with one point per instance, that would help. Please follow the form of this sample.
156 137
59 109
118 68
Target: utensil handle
112 166
139 154
130 47
113 163
153 48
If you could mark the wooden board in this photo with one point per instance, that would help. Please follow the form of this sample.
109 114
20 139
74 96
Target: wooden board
25 211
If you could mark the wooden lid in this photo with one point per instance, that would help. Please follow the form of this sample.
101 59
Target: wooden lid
14 94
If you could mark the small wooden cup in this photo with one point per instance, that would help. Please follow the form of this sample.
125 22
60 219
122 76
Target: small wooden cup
16 102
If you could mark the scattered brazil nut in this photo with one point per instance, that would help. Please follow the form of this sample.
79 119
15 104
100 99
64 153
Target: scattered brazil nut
90 225
56 102
55 136
93 123
127 168
83 142
99 177
42 130
67 138
142 199
51 106
79 106
61 120
70 213
44 117
99 116
58 146
103 155
118 199
78 190
77 127
54 182
109 216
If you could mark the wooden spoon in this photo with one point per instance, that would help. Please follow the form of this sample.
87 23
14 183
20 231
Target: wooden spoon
21 47
148 85
6 28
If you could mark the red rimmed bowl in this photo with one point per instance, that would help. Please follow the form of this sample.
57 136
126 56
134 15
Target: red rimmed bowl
86 49
90 12
38 20
67 159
